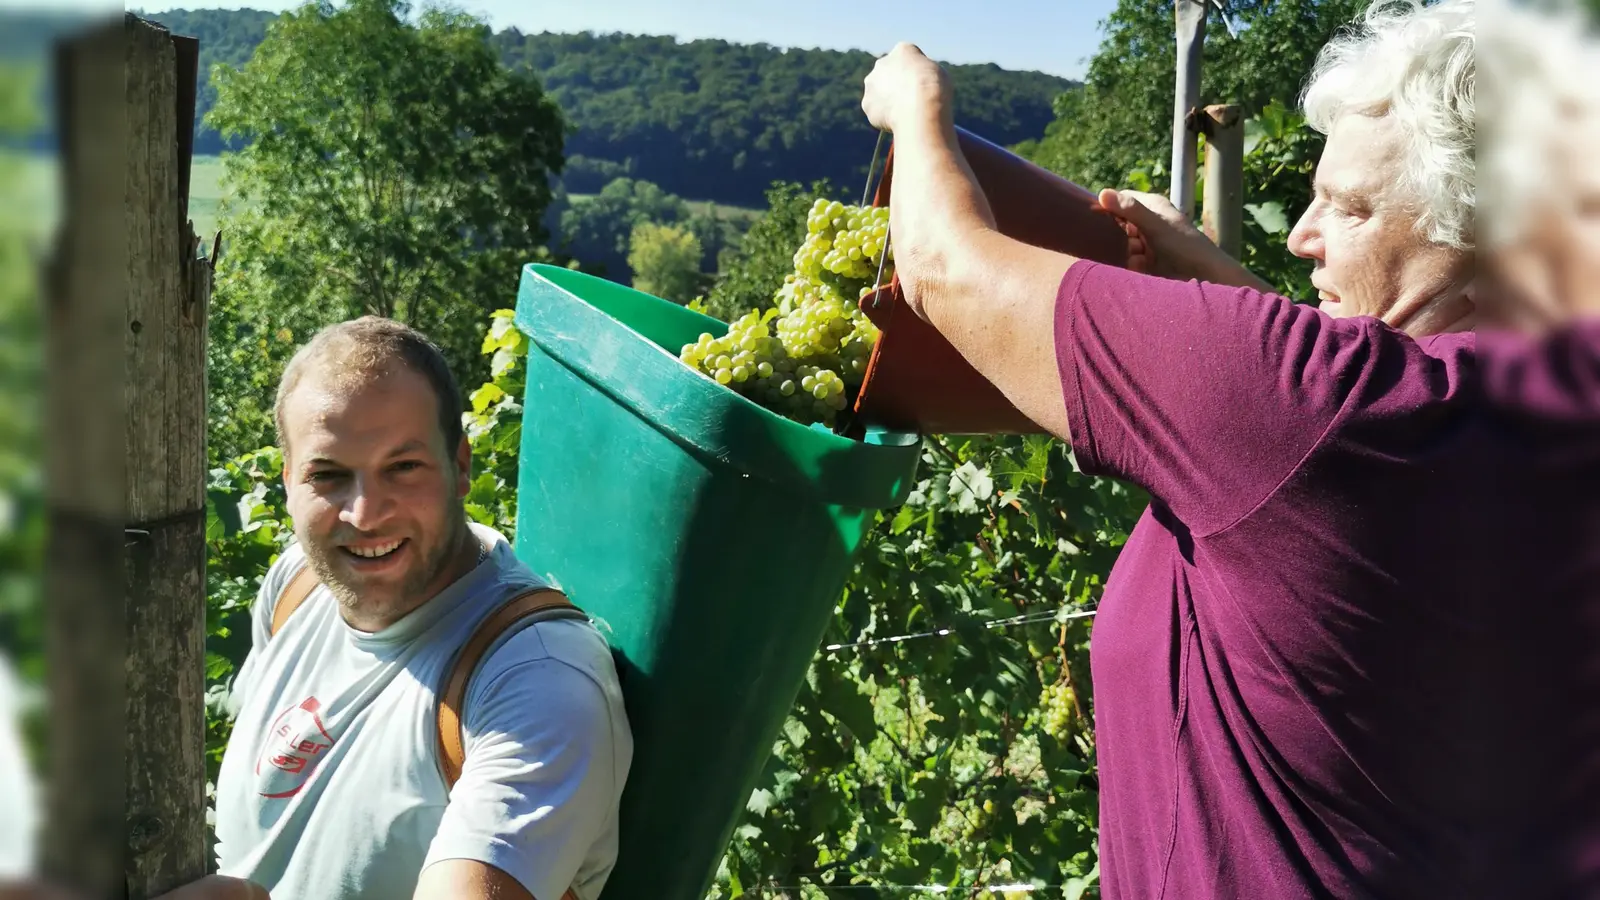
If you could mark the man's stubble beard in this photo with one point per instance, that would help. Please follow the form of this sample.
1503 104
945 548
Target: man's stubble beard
393 606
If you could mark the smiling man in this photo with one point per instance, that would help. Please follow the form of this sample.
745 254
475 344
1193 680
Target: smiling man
335 784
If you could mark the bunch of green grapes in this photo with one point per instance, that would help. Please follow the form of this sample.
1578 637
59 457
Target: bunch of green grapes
750 360
818 321
742 357
845 241
1059 707
801 357
856 349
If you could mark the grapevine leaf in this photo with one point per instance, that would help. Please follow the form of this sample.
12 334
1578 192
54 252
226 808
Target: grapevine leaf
853 709
485 395
1076 887
480 514
504 361
970 487
222 505
1270 216
761 801
926 803
784 782
485 490
501 326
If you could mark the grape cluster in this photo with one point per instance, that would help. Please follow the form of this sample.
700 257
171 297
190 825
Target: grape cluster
845 241
746 354
1059 706
804 357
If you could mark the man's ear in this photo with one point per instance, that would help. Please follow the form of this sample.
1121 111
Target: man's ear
464 467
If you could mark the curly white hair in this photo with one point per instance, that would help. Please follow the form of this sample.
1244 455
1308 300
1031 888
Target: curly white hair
1414 62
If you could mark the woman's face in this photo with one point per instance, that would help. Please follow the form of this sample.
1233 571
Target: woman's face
1360 230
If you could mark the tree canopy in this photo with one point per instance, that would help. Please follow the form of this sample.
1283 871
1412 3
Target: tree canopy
706 120
393 170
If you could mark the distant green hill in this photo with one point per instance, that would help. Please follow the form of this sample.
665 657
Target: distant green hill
706 119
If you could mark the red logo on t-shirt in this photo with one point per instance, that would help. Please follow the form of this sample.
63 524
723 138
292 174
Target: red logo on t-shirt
295 743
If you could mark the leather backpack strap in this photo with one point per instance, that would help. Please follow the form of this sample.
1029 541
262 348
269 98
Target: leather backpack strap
294 594
538 602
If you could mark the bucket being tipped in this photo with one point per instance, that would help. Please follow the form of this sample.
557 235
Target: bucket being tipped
916 381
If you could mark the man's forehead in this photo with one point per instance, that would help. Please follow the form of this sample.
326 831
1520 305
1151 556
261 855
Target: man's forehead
358 415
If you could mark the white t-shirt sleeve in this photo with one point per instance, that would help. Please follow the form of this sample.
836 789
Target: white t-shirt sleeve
537 787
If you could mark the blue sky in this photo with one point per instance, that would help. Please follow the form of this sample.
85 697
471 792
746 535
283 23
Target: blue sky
1055 36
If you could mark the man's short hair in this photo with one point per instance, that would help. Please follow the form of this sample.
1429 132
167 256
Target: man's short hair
359 351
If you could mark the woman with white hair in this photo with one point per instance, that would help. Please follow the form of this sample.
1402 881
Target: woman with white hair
1289 695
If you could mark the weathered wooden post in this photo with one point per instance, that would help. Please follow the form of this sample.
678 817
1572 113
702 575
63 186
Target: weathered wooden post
85 293
1222 211
1191 34
127 321
169 294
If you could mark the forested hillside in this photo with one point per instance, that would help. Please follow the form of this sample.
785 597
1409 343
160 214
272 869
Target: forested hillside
714 120
706 120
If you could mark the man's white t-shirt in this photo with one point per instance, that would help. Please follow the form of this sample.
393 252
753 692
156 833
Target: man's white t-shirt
330 787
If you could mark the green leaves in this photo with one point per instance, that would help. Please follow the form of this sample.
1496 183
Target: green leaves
396 169
850 706
1270 216
970 487
665 260
925 801
933 752
754 271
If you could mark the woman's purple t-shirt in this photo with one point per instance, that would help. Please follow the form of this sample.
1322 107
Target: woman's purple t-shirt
1287 657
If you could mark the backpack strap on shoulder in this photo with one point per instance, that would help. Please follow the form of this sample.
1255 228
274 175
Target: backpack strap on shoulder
539 604
535 605
294 594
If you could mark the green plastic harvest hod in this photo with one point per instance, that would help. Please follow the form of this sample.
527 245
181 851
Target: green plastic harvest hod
709 538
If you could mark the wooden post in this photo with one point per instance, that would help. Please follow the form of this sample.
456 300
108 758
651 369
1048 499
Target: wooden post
85 292
125 573
1222 216
1191 34
169 293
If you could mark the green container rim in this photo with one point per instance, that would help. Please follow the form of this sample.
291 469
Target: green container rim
600 330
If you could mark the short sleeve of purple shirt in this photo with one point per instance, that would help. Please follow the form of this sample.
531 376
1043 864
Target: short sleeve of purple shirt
1283 658
1206 396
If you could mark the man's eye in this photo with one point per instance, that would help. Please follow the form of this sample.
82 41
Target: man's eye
316 477
407 465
